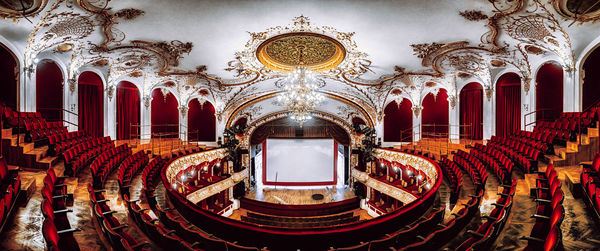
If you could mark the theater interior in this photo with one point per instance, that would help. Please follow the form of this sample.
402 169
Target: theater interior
299 125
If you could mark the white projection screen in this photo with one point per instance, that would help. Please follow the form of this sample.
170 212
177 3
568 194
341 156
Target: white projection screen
299 162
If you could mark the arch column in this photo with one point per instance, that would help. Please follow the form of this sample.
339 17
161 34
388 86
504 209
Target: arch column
110 112
572 100
417 129
454 119
145 117
489 118
527 105
183 126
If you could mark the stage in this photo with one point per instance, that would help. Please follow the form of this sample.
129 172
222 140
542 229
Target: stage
300 197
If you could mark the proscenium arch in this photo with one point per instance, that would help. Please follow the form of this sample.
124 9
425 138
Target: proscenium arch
274 94
278 115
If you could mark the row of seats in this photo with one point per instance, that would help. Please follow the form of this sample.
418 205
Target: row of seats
112 229
443 233
186 231
59 143
421 227
590 179
107 162
473 166
525 156
563 129
546 233
39 131
453 175
162 236
496 160
56 228
78 156
150 178
129 168
538 140
484 236
16 119
10 183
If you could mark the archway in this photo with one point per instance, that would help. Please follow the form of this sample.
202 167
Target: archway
508 104
434 120
49 90
9 77
471 111
128 110
165 115
91 104
549 91
397 121
591 79
201 121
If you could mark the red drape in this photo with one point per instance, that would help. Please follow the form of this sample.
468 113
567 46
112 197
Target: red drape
397 121
471 111
165 115
91 104
201 121
128 110
9 68
591 80
549 91
49 90
508 104
435 115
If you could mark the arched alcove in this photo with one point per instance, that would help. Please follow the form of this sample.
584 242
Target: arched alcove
549 91
9 80
49 90
471 111
591 79
201 121
128 110
434 120
508 104
91 104
165 115
397 121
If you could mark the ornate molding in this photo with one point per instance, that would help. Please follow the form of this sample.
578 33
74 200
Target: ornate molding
218 187
184 162
395 192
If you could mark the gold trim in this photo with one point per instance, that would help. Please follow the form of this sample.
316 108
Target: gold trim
335 60
274 94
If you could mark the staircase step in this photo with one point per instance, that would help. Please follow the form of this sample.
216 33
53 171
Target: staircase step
572 147
47 162
6 133
554 158
593 132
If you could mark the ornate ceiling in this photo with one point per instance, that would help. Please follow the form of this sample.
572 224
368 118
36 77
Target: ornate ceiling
234 53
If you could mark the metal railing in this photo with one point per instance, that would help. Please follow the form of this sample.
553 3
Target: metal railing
543 112
166 140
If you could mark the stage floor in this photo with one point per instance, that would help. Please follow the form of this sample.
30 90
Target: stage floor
299 197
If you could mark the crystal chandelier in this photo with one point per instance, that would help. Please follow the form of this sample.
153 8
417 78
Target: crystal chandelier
300 94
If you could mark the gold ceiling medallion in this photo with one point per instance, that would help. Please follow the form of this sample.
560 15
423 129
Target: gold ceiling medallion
314 51
322 49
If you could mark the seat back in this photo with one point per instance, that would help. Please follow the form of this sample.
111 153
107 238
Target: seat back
50 233
553 240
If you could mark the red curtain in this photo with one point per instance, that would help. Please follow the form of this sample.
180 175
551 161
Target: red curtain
435 115
49 90
91 104
549 91
591 80
397 122
165 115
9 68
201 121
508 104
471 111
128 110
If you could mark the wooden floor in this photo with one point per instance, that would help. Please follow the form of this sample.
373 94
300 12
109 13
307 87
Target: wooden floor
300 197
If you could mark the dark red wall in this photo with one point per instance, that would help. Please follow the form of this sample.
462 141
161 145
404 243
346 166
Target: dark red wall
508 104
396 120
471 111
549 91
49 90
201 121
591 80
91 104
128 110
435 112
8 77
165 115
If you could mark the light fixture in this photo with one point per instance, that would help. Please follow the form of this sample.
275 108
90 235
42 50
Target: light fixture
300 94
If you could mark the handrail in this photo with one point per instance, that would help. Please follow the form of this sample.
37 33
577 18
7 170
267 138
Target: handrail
542 110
